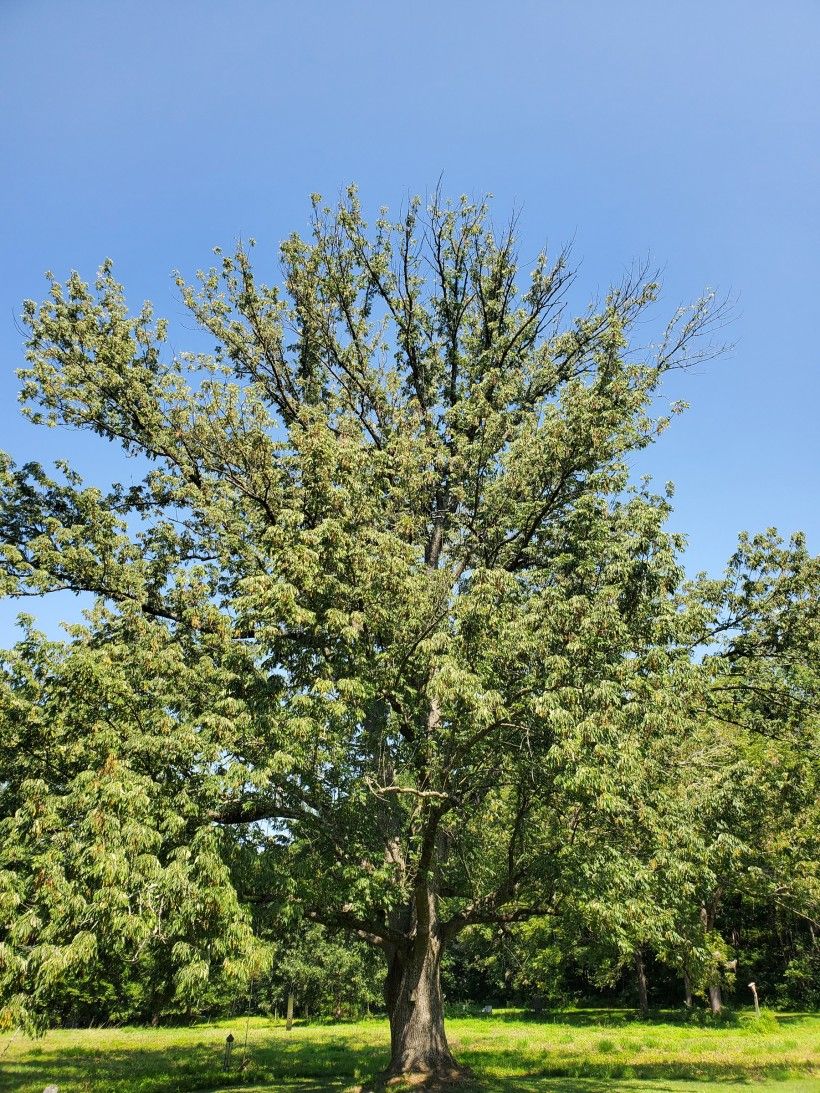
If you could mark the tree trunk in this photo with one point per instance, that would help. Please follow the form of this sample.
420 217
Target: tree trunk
418 1044
707 918
640 975
687 991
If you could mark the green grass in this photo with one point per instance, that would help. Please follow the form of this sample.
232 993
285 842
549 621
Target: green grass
574 1051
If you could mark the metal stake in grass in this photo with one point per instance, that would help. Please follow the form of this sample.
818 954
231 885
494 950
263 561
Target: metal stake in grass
226 1059
753 988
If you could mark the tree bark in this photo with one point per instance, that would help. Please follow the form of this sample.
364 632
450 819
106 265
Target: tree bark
687 991
640 976
707 917
418 1043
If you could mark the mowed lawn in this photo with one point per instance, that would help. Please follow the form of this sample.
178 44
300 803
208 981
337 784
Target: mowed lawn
592 1050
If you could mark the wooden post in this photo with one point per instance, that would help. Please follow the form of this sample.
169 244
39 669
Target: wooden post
753 988
290 1011
226 1058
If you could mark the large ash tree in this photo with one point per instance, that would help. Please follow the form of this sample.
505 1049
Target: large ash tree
384 635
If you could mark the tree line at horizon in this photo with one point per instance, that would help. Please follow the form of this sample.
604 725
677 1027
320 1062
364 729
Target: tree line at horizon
390 662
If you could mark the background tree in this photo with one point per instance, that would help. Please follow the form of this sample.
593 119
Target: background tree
750 765
113 890
387 607
731 835
327 974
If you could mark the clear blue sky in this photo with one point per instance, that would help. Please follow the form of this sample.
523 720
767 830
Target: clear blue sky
688 131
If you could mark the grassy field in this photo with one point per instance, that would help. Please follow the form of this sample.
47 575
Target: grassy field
575 1051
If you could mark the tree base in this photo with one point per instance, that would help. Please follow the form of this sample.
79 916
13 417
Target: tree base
430 1081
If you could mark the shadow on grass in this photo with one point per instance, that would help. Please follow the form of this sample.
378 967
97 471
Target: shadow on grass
578 1018
594 1076
273 1064
619 1018
605 1018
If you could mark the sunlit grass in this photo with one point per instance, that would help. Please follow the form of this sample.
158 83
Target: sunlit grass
572 1051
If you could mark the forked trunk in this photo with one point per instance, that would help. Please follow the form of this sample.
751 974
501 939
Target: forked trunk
418 1043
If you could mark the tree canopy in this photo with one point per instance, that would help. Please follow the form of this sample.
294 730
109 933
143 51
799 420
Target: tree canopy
385 638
